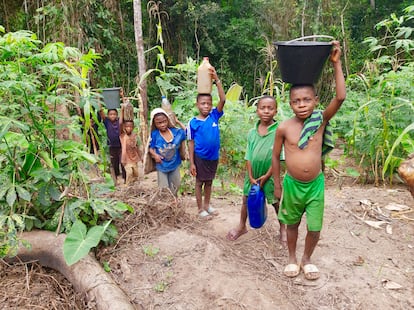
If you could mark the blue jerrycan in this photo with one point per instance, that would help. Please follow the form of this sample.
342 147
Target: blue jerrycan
256 206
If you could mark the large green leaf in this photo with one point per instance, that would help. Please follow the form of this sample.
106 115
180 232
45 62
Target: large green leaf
234 92
79 242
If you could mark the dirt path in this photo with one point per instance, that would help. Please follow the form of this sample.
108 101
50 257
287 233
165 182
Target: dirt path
186 263
167 258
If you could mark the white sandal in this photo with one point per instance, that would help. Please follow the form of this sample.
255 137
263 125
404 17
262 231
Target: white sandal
211 210
204 213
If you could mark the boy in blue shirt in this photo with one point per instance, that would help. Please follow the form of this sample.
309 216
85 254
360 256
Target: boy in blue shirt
204 144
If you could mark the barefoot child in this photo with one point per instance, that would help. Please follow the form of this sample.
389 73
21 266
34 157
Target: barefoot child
204 145
164 149
305 138
131 154
258 158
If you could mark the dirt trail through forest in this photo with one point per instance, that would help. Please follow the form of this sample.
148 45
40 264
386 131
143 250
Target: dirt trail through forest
197 268
167 258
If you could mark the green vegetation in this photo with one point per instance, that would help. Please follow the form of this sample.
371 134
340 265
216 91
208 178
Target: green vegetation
45 168
71 48
377 119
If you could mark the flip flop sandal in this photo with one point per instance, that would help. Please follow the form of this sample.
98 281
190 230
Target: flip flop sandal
311 272
291 270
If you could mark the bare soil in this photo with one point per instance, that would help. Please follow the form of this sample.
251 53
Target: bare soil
166 257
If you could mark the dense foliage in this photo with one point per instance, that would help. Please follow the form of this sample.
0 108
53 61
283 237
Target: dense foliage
237 35
45 168
378 118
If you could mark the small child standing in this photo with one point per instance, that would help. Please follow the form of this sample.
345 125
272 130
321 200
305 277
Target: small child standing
164 149
258 158
111 122
204 145
131 154
305 138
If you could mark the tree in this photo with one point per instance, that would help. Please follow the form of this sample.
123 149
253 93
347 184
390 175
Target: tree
142 83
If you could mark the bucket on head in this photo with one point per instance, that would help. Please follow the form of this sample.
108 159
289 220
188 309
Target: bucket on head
301 62
111 97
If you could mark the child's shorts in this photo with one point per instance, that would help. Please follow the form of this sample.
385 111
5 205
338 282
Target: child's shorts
131 172
300 197
206 169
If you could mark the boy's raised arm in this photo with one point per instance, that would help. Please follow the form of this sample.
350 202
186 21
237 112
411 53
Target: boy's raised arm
101 112
221 93
340 96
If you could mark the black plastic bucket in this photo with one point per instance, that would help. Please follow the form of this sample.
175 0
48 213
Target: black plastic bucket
302 62
111 97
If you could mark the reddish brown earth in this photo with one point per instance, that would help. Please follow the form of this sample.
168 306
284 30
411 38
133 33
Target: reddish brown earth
167 258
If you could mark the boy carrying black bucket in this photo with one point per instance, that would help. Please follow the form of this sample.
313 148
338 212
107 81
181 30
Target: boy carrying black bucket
306 138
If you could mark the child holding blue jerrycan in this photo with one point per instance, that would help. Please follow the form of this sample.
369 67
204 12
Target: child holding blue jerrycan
259 164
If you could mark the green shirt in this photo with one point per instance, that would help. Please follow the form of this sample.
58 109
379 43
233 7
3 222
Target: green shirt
259 152
259 149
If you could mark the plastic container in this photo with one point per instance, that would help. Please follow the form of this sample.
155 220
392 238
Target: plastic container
166 106
111 97
256 206
302 62
204 82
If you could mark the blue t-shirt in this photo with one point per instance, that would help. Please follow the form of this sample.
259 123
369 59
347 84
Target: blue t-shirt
112 131
169 150
206 135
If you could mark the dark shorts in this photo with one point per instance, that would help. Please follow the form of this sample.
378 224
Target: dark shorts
206 169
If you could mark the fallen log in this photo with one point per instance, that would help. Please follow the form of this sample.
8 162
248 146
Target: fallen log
87 276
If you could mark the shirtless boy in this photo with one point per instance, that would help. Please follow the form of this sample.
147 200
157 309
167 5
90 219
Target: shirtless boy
303 185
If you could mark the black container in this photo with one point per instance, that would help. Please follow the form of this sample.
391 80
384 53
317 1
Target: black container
302 62
111 97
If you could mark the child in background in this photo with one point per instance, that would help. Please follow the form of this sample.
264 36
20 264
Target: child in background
131 154
111 122
204 145
306 138
164 149
258 158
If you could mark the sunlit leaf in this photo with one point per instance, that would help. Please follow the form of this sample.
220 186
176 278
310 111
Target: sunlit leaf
11 196
23 193
79 241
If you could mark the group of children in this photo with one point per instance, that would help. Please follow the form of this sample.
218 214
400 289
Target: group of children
124 148
305 137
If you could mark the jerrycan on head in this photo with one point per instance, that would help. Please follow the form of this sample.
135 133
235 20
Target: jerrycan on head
256 206
204 82
166 106
302 62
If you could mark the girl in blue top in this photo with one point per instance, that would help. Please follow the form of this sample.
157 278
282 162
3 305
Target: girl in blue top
164 148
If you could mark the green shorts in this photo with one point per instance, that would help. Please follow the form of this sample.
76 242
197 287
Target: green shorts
300 197
268 189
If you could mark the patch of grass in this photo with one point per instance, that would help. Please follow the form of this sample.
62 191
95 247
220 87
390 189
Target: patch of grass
150 251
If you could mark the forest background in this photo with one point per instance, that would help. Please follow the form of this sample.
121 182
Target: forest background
42 173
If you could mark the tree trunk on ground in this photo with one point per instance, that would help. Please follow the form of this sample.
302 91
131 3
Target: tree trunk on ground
139 43
86 276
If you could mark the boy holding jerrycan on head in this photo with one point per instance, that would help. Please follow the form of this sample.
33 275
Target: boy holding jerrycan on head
305 137
204 144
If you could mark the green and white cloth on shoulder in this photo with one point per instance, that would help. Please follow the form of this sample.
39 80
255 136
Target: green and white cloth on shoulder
310 126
